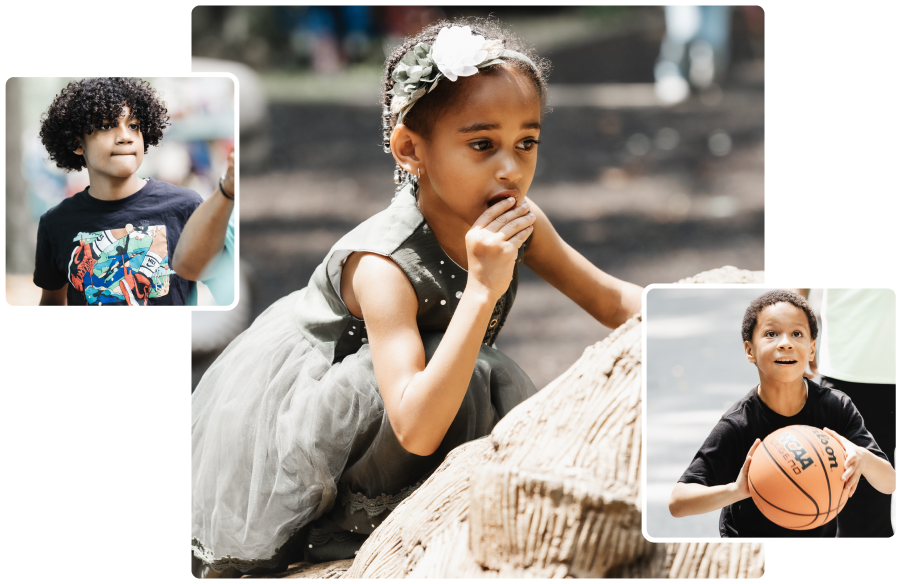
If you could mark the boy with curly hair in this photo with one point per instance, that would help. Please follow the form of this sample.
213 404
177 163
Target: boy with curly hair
779 331
110 244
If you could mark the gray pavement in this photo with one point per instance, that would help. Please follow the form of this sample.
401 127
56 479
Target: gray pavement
696 370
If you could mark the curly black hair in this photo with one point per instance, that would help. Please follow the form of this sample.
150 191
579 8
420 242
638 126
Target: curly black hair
84 104
770 298
423 115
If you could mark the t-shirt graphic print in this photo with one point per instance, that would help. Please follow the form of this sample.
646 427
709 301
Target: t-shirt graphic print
121 266
119 252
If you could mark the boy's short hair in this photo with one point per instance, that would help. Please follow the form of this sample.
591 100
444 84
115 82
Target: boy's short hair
81 105
774 297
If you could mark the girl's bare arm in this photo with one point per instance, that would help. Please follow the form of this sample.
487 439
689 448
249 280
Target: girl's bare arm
609 300
421 401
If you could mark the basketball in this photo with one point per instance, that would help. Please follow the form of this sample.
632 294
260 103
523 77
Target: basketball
795 477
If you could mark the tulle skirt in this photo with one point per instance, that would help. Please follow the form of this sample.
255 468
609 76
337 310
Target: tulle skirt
282 437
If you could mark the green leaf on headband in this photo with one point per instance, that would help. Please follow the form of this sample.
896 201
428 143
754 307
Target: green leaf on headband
414 74
411 74
422 50
419 93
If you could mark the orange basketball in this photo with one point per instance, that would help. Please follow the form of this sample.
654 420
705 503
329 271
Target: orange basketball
796 477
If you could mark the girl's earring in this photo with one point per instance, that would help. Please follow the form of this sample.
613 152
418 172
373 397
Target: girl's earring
414 180
386 129
401 177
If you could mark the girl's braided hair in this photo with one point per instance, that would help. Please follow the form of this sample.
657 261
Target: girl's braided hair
446 94
84 104
749 323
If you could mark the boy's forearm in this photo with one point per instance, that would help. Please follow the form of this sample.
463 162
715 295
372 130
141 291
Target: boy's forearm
695 499
203 236
879 473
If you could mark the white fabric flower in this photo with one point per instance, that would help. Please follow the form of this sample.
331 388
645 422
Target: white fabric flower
457 52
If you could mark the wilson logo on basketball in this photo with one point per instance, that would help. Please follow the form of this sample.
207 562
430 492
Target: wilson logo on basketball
797 451
786 495
830 453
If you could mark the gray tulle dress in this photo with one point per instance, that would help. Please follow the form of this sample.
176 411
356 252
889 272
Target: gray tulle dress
293 456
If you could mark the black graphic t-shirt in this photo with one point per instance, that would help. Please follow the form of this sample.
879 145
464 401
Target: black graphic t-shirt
116 252
722 455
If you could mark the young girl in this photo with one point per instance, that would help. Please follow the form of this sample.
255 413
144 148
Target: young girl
343 397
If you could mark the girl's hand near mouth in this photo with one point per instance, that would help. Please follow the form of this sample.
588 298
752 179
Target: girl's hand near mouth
492 245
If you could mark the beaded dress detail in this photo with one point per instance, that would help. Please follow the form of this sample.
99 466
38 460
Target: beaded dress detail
291 445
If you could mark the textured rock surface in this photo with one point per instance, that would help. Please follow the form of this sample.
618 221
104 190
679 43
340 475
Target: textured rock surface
725 275
441 503
554 491
562 493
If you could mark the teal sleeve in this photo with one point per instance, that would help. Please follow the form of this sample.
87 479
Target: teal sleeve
219 276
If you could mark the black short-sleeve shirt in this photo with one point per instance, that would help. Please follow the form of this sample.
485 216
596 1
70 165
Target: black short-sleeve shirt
722 455
116 252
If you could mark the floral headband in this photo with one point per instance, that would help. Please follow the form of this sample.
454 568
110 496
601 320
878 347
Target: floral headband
456 53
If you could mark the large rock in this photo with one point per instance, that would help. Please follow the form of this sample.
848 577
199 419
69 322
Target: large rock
553 491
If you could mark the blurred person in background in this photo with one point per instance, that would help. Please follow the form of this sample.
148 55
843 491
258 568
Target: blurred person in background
331 38
694 52
856 355
330 35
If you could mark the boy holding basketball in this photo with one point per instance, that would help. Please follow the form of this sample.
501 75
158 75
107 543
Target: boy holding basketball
779 332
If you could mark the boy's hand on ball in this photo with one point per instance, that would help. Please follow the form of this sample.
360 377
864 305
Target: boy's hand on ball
855 461
741 483
493 242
